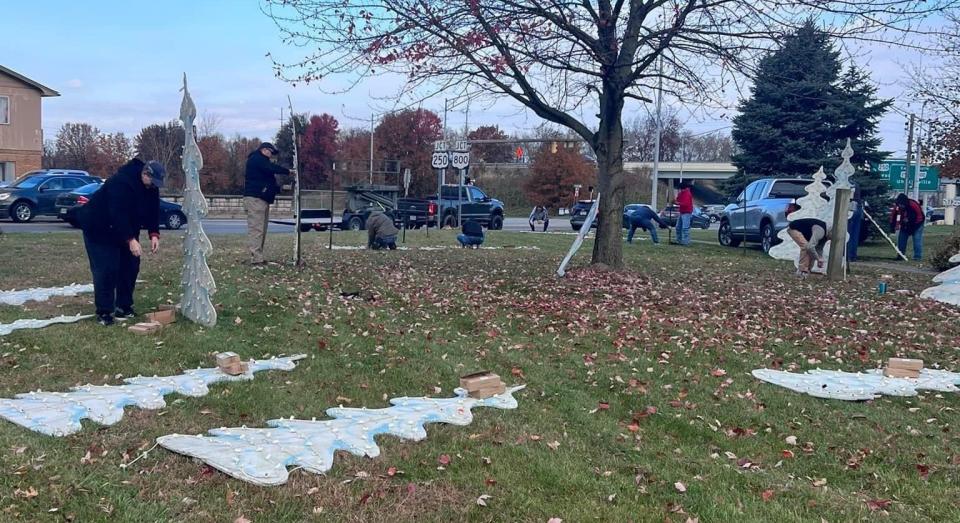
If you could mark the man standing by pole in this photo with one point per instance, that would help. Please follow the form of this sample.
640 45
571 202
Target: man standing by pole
260 190
685 210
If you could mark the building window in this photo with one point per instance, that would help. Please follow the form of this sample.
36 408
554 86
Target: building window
4 109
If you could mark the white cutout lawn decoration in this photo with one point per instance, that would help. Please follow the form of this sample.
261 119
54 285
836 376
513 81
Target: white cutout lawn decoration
59 413
814 205
15 297
578 241
949 289
858 386
196 279
261 455
7 328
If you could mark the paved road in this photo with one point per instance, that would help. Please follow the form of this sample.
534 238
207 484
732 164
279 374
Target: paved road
231 226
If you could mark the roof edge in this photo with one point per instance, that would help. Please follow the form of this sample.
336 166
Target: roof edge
44 90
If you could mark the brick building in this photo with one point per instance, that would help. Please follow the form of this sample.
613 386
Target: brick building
21 134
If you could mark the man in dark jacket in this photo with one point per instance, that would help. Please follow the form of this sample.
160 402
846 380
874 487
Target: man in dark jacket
111 222
260 190
381 232
471 234
643 218
908 218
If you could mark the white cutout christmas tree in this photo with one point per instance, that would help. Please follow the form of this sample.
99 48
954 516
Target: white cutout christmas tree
813 205
15 297
859 386
261 456
7 328
59 413
948 290
196 279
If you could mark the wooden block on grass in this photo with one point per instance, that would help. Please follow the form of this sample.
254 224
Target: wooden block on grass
904 363
482 384
164 317
227 359
235 369
900 373
168 307
145 328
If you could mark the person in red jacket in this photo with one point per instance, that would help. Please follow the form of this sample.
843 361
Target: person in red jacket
907 217
685 208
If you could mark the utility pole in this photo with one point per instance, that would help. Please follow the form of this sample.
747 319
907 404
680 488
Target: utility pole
906 168
916 176
444 118
655 178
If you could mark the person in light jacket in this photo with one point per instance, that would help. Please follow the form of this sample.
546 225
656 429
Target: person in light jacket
539 214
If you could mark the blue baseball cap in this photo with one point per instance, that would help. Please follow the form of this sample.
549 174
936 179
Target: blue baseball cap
157 172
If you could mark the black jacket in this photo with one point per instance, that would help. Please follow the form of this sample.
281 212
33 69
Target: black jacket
472 228
260 180
118 210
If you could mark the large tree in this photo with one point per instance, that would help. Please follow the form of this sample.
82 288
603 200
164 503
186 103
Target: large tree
489 152
802 109
76 145
406 137
163 143
318 147
553 175
563 59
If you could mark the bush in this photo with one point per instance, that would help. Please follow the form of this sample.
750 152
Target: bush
941 259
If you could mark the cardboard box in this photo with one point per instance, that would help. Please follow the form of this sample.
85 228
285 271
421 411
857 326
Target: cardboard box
482 384
168 307
903 363
900 373
164 317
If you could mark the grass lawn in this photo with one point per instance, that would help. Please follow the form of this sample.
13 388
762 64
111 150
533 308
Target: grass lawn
639 404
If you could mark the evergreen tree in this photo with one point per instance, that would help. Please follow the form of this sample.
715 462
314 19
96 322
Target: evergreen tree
284 139
802 108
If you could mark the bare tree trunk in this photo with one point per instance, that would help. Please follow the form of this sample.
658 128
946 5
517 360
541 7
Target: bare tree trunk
608 247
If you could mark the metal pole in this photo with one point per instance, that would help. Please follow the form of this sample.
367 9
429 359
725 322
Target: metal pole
656 143
906 167
371 149
297 256
332 181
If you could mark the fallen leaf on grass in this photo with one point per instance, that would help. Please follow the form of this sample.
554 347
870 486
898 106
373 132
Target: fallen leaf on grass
392 471
554 445
791 440
924 471
26 494
241 519
680 487
444 459
554 520
482 500
716 373
819 482
767 495
878 504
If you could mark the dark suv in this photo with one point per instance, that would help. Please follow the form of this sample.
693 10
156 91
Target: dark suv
36 193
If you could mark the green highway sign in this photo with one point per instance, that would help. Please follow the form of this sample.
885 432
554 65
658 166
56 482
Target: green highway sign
892 172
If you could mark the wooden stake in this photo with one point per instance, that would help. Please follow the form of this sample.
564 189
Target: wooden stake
838 235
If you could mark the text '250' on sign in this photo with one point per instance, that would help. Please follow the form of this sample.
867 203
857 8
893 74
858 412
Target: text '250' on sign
440 160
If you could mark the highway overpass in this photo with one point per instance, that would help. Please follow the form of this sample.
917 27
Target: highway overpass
686 170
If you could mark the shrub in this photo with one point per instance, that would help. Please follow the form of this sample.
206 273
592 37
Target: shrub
941 259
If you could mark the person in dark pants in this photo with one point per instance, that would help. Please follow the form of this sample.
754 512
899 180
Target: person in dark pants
381 232
643 218
854 225
471 234
111 222
539 214
260 189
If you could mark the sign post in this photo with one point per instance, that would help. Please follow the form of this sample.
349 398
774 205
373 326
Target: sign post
439 161
457 156
838 242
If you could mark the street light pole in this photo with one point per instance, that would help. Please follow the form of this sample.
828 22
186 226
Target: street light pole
371 149
656 143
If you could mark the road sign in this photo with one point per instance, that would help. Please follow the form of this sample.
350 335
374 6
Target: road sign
441 146
440 160
892 172
461 145
459 160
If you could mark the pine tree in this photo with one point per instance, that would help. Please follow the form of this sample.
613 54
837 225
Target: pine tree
802 109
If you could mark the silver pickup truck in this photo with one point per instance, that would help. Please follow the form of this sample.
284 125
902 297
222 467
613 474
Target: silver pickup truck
760 212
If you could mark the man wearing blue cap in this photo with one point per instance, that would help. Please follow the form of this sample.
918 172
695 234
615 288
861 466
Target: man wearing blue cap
111 222
260 189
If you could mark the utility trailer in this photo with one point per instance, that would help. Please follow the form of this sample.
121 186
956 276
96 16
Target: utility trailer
362 201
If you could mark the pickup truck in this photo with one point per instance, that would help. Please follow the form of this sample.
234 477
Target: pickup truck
476 205
760 212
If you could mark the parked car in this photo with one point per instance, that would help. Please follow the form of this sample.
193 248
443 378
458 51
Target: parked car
935 214
35 194
171 214
714 212
759 213
579 210
670 214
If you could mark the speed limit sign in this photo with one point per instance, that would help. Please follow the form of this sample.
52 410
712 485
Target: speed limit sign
440 160
460 160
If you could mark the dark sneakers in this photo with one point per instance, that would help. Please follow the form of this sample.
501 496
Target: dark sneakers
124 313
105 319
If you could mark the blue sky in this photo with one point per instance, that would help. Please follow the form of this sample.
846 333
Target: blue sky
118 66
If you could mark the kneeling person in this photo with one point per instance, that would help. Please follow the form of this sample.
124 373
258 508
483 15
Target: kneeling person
381 232
471 234
811 235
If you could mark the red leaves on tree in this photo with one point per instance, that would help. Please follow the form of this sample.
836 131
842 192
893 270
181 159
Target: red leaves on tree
554 174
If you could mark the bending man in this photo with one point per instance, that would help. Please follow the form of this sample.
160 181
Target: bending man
111 222
643 218
811 235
